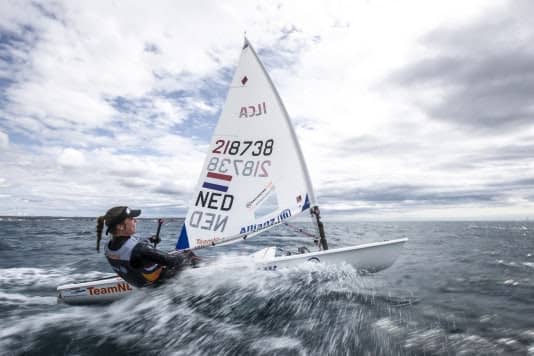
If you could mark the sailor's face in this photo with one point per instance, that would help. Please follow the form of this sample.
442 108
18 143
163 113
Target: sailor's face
127 227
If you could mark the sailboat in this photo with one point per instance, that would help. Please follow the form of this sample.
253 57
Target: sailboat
254 178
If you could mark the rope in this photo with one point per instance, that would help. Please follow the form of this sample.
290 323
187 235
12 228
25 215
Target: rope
302 231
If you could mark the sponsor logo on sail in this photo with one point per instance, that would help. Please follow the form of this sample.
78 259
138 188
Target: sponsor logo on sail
260 197
284 215
207 242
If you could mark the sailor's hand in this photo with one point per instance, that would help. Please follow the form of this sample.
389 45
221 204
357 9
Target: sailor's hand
191 258
154 239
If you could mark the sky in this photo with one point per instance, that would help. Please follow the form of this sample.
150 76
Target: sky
411 110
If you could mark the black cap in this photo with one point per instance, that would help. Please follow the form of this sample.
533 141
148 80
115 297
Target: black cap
118 214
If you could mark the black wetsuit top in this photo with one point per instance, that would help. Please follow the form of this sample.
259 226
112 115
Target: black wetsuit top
143 254
139 263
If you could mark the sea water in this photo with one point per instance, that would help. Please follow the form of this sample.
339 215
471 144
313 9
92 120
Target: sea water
462 288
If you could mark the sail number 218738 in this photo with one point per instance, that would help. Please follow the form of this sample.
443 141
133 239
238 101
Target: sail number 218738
239 167
239 148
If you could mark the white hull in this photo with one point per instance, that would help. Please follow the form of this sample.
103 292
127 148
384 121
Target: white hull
99 291
372 257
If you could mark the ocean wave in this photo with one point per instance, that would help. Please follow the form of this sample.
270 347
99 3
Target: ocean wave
40 277
511 282
512 264
22 299
434 341
270 345
390 326
213 311
309 309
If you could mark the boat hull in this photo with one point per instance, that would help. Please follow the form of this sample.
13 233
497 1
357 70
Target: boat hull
100 291
372 257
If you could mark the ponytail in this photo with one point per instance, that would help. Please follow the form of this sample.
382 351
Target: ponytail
99 228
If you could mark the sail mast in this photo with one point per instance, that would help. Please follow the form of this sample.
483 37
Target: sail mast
323 244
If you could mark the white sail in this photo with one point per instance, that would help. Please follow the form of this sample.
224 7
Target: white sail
254 176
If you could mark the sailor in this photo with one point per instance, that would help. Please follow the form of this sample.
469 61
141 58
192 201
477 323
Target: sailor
134 259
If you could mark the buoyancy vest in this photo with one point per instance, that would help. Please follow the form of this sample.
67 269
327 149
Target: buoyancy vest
120 262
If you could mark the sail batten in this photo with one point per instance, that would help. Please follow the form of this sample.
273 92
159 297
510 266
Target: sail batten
254 176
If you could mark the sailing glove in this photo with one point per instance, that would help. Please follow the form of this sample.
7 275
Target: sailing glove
154 239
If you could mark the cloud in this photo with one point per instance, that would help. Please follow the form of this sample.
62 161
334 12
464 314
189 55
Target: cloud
400 108
4 140
169 188
416 195
478 75
71 158
135 182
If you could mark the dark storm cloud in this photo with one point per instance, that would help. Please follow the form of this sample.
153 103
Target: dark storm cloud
419 195
514 152
168 190
522 151
485 71
133 183
494 194
514 185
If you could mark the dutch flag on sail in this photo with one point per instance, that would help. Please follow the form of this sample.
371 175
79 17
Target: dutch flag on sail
217 181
